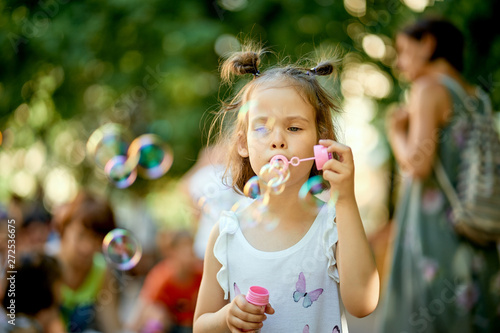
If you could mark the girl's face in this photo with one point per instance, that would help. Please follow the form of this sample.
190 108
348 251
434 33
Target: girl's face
413 56
280 122
79 244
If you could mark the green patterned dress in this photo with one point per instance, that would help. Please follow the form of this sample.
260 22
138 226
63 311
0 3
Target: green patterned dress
439 281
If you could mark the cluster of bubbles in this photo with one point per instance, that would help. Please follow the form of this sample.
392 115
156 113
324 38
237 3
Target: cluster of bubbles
147 155
121 249
273 178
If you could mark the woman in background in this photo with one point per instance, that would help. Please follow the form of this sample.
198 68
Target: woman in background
440 282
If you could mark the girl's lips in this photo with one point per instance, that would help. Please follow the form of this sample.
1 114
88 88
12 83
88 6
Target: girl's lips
279 157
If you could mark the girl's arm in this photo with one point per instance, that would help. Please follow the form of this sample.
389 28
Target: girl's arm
359 279
413 133
213 314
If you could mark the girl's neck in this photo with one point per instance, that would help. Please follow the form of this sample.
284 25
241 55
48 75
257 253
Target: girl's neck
288 206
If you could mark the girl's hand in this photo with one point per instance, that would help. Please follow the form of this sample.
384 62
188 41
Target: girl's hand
243 316
339 173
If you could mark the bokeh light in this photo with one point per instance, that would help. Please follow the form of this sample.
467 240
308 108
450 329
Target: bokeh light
417 5
374 46
233 5
121 249
60 186
356 8
226 43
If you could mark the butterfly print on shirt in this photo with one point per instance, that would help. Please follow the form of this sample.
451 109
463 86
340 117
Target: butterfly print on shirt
309 297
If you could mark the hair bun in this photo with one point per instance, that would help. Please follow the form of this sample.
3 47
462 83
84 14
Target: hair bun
246 63
324 68
241 63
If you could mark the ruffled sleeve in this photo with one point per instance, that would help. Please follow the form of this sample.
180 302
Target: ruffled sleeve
228 225
330 240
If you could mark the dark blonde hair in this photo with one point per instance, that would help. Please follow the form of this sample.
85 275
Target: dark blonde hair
302 78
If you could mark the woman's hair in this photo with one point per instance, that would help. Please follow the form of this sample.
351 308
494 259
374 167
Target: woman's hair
233 123
93 212
449 39
36 276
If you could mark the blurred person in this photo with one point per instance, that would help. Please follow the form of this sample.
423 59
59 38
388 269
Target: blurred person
32 301
89 291
440 281
35 228
206 185
168 296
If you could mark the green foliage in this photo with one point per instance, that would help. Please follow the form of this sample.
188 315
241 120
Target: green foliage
69 67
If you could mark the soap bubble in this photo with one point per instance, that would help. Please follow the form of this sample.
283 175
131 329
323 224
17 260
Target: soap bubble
274 176
310 190
252 189
154 157
121 249
120 172
106 142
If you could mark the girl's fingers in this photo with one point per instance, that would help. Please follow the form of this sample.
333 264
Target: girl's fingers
331 176
248 317
269 309
344 152
242 326
336 166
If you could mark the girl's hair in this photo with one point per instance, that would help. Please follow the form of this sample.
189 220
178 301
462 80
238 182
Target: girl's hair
233 123
449 39
93 212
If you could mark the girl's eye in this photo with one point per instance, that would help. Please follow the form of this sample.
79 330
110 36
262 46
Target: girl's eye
261 129
293 129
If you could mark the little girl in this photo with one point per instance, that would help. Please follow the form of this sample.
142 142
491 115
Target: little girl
313 264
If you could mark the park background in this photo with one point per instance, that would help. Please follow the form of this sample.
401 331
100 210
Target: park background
67 68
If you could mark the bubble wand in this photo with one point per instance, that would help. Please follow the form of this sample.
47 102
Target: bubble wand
321 156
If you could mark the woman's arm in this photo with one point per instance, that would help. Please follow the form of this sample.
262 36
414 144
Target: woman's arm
414 133
359 279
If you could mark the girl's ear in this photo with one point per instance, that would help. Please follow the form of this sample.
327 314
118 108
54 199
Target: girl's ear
242 145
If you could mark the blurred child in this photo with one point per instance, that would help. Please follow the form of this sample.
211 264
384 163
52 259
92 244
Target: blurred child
168 297
32 296
35 228
88 295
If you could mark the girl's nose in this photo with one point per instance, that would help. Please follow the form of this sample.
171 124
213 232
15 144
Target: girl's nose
277 145
278 141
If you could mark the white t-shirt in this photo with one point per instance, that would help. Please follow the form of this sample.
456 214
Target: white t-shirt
302 280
